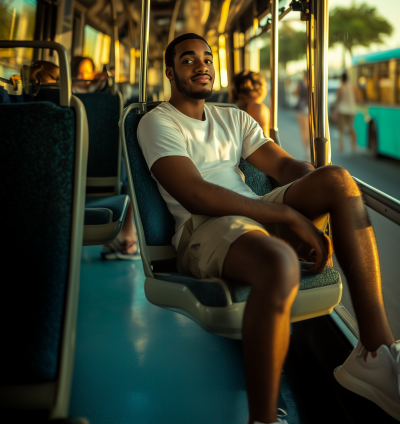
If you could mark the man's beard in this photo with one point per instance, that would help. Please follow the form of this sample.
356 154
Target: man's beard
198 95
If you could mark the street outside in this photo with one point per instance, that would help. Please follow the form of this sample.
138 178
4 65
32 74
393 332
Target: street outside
383 174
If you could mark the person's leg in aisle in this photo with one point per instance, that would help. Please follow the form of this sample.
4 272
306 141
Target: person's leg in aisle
332 190
341 130
126 241
271 267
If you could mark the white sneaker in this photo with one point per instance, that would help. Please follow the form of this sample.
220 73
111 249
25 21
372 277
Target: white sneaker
377 379
280 421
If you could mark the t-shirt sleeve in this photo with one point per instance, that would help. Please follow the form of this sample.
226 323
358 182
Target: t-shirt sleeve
158 137
253 136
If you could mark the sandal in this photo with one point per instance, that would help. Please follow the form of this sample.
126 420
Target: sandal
112 252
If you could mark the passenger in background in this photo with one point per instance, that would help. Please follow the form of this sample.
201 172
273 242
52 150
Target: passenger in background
302 113
347 96
44 72
248 93
83 68
41 72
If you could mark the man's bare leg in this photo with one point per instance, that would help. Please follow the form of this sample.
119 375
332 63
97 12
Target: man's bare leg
332 190
272 268
126 239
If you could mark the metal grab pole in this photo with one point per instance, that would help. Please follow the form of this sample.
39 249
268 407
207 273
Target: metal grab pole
311 78
144 49
115 42
274 72
322 142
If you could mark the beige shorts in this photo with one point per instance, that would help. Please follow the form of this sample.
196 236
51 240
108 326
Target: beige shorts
206 240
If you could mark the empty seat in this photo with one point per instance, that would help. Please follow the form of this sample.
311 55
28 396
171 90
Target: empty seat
212 303
104 217
103 110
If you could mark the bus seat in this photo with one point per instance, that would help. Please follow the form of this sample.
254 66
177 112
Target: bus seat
211 303
104 217
103 110
43 156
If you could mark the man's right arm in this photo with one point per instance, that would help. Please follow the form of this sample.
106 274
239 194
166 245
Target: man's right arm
182 180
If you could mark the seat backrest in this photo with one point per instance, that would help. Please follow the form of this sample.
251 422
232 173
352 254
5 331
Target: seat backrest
103 111
158 223
42 159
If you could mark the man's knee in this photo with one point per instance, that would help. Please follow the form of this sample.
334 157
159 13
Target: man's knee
276 277
337 181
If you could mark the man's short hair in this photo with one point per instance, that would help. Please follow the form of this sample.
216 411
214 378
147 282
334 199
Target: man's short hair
170 51
344 77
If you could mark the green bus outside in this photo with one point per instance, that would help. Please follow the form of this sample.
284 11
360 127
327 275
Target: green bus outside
377 121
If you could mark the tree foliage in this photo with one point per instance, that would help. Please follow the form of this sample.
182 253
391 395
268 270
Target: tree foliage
292 46
357 25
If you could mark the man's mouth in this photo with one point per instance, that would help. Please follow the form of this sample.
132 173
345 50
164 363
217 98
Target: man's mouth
202 78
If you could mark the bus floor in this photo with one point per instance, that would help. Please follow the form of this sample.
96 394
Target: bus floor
140 364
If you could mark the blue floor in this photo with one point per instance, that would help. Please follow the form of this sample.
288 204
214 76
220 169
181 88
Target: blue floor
137 363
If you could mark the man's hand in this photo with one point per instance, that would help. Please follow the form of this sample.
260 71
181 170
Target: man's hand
313 236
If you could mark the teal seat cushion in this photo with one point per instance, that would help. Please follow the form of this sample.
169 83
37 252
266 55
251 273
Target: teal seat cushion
255 179
103 111
37 154
96 217
308 280
117 204
212 294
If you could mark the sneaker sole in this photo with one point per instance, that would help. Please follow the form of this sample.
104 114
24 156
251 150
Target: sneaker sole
369 392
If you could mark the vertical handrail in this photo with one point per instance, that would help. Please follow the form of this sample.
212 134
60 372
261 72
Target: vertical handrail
311 78
115 42
171 34
144 49
274 72
322 142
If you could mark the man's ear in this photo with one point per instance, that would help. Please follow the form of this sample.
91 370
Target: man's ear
169 72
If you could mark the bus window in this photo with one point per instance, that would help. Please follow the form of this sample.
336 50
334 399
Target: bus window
96 46
371 89
17 22
386 83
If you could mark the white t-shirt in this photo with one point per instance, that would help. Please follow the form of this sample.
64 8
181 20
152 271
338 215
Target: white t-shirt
214 145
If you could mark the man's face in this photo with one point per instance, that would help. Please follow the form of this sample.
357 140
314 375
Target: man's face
193 71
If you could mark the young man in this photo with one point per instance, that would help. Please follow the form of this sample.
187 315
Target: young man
224 230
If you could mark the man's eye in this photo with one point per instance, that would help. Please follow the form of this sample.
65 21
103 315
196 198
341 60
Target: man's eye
209 61
188 60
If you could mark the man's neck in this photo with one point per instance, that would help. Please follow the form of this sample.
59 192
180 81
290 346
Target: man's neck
192 108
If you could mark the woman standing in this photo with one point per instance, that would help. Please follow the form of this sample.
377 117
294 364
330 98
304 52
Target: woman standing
346 108
248 93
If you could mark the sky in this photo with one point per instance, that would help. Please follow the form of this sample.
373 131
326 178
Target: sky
389 9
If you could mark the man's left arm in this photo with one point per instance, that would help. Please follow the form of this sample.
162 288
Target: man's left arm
274 161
